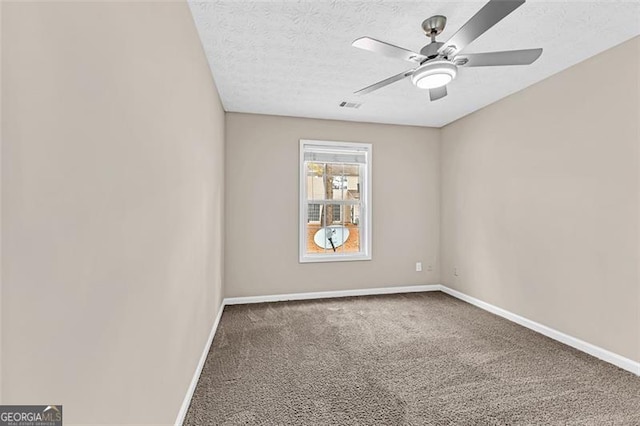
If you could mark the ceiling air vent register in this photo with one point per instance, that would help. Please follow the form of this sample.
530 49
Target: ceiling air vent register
346 104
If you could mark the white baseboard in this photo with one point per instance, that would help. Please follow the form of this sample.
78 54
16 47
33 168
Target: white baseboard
196 375
330 294
593 350
596 351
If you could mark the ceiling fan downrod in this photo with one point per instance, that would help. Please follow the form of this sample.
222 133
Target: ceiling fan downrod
433 27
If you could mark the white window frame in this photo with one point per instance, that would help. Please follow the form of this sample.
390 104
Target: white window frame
365 204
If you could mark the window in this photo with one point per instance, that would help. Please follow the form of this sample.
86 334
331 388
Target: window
314 213
335 201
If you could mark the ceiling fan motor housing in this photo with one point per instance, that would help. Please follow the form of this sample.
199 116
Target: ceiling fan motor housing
431 49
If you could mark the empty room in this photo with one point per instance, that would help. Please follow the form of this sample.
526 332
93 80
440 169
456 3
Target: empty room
319 212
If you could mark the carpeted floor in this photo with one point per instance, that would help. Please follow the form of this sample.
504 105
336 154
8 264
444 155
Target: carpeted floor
411 359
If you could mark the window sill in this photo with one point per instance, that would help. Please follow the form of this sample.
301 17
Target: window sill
334 258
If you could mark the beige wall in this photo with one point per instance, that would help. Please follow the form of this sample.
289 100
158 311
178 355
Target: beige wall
112 192
262 158
540 202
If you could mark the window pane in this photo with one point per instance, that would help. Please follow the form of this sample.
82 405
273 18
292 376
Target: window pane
354 215
315 181
333 181
353 177
339 182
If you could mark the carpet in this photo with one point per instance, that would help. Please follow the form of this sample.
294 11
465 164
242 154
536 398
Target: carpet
406 359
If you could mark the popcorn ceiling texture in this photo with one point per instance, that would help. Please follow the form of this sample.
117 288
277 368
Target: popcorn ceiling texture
296 59
412 359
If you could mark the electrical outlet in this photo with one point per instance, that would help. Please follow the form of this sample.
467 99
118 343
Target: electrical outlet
418 266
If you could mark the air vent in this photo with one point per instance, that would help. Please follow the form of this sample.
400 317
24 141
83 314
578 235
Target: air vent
350 105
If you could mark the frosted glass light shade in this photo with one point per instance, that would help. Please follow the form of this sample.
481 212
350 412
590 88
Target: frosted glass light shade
434 74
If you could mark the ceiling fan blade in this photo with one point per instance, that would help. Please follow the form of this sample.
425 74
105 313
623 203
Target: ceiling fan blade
437 93
492 13
383 83
510 57
386 49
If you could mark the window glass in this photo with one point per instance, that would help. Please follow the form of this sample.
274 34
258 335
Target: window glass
334 196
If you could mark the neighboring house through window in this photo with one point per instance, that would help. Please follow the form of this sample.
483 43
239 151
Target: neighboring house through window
335 201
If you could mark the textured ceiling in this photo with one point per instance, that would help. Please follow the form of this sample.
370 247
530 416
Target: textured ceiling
295 58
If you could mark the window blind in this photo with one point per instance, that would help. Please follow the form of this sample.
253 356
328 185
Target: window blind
352 157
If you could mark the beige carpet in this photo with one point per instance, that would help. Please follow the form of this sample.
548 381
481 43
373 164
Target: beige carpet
414 359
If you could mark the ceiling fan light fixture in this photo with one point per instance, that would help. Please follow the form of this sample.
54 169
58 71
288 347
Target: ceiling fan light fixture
434 75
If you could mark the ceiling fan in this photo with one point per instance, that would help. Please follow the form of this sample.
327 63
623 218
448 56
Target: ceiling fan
438 62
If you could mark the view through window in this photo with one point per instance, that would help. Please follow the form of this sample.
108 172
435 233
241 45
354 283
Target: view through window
334 193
